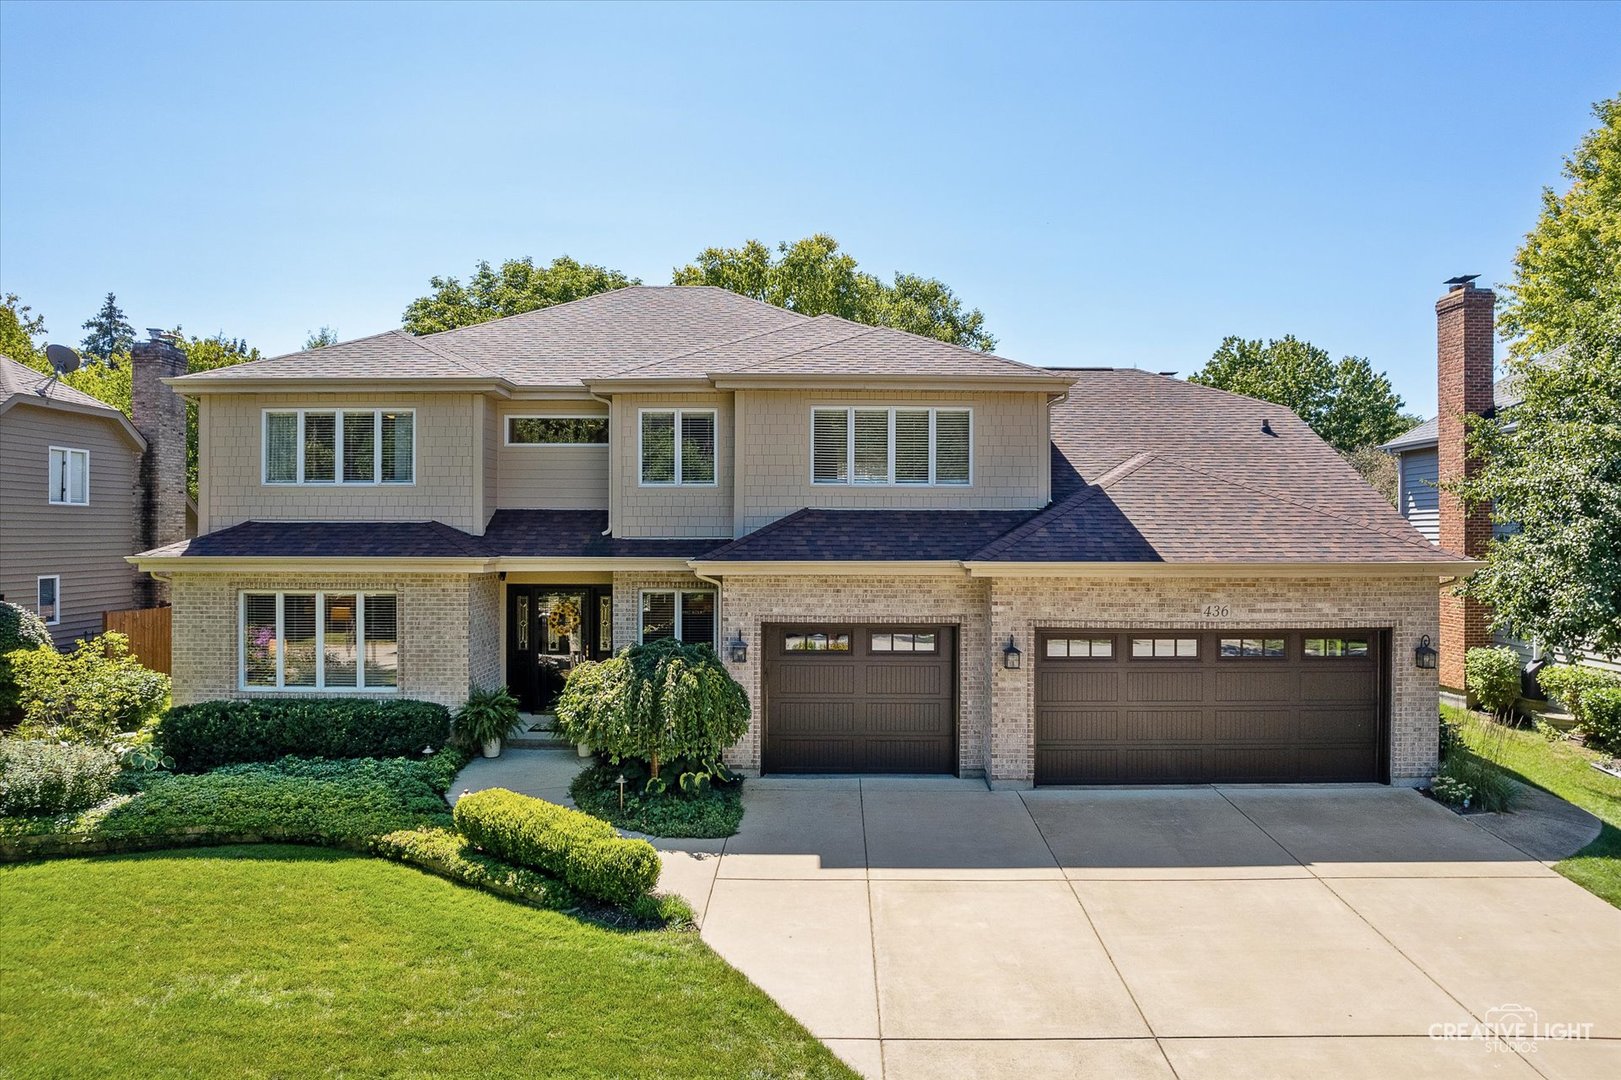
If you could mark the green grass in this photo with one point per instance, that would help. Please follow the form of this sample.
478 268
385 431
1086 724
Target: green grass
717 813
1562 768
271 961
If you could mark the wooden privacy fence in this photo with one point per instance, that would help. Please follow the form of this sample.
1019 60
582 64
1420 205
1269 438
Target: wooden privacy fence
148 633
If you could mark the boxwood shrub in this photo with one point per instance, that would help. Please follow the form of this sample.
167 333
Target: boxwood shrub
214 733
585 852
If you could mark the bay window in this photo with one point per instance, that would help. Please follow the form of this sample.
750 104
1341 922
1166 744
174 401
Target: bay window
319 641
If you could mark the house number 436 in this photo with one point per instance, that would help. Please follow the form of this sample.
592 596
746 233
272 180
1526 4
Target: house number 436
1217 611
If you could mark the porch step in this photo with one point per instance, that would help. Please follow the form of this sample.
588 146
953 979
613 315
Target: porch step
538 732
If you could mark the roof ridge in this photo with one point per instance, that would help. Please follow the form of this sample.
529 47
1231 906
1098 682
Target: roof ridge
445 354
715 345
762 530
531 311
1109 476
865 331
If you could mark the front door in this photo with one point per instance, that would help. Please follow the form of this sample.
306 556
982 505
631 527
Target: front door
549 630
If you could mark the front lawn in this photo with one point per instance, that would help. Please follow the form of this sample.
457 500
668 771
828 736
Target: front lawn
289 961
1561 768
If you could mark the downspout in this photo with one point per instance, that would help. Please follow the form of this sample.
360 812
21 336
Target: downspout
608 402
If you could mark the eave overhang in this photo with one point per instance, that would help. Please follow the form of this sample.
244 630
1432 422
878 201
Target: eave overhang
1419 568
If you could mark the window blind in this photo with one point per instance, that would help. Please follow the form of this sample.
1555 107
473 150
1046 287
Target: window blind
911 446
658 447
697 448
281 448
359 447
872 446
830 450
399 441
320 447
951 446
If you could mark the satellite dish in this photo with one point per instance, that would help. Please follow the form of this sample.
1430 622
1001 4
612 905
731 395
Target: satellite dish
62 358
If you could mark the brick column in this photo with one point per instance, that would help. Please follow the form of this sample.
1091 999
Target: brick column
159 414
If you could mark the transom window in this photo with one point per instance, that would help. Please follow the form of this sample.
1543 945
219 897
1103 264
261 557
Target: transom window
1266 648
1336 646
320 641
678 446
1082 648
815 641
685 614
557 431
1162 648
903 641
48 597
70 476
891 446
340 446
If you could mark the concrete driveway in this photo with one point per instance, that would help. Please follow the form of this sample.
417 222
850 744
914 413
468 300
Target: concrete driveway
932 928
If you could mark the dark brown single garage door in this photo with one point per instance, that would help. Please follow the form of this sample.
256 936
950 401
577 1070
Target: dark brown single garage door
855 698
1178 706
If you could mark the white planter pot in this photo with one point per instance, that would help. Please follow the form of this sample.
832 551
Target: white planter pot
583 749
492 748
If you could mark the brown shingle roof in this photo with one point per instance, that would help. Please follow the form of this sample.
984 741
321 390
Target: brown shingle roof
19 379
393 354
871 536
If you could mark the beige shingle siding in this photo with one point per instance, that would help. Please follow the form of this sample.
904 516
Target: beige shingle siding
550 477
232 437
1009 461
85 545
670 510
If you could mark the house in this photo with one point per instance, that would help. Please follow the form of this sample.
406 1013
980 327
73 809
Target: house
80 491
916 558
1433 454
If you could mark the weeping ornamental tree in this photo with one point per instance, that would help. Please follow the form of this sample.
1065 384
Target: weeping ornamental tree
658 702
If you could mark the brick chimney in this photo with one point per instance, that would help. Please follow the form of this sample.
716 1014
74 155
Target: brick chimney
1465 336
159 414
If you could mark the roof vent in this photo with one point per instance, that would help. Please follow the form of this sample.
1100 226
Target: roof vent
1266 428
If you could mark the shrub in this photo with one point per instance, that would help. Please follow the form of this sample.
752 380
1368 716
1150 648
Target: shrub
716 810
1601 719
19 629
440 770
40 777
1570 683
585 852
1451 738
452 855
1467 780
87 695
1493 677
213 733
487 716
657 701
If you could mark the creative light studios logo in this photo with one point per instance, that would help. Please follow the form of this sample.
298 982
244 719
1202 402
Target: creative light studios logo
1512 1028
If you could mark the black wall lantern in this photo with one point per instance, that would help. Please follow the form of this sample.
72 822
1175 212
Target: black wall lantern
1011 656
738 649
1424 656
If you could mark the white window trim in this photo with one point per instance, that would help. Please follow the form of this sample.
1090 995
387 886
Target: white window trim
70 451
337 449
850 446
320 686
506 432
57 610
680 607
678 481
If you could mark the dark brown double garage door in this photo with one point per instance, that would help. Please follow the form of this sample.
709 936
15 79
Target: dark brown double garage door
860 699
1174 706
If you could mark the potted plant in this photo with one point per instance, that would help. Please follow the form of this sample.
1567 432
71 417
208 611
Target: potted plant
488 717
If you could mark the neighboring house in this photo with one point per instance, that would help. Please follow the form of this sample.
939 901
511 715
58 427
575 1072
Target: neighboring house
77 497
915 558
1434 452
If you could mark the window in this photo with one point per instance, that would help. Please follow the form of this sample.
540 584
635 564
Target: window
70 476
685 614
678 446
320 641
1266 648
1164 648
557 431
815 641
48 592
903 641
340 446
900 446
1336 647
1081 648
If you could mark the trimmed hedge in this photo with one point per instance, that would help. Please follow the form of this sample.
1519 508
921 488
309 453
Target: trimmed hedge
42 777
585 852
214 733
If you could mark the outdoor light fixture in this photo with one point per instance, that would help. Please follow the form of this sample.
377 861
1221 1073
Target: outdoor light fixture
1011 656
1424 656
738 649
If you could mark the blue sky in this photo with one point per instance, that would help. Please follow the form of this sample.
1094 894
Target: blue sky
1110 184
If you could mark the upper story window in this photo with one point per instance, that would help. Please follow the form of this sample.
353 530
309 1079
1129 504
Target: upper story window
70 476
340 446
891 446
557 431
678 446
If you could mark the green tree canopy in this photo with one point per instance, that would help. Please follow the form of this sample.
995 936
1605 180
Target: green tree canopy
321 338
518 286
1555 472
813 277
110 333
1347 403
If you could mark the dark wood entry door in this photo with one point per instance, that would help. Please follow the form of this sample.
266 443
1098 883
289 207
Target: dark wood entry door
860 699
1237 706
550 628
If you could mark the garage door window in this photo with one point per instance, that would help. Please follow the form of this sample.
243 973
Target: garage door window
688 615
1334 647
1164 648
1256 648
817 641
903 641
1081 648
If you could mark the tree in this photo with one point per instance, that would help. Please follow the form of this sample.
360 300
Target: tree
1554 474
1348 404
110 333
813 277
19 326
518 286
207 354
321 338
